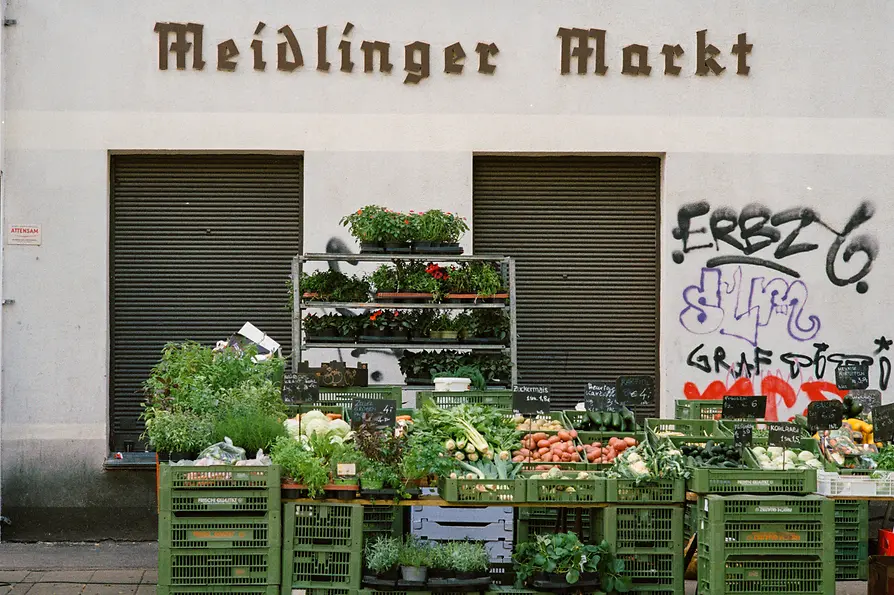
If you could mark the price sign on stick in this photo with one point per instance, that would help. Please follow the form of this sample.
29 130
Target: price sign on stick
883 423
636 391
870 399
749 407
381 413
299 388
743 435
824 415
530 400
784 434
601 396
852 376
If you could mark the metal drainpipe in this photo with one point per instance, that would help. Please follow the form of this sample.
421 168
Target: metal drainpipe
3 25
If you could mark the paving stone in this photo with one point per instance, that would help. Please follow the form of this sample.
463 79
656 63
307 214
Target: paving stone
55 589
34 576
66 576
120 577
150 577
12 576
145 589
97 589
19 589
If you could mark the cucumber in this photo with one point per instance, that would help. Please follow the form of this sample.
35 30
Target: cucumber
616 420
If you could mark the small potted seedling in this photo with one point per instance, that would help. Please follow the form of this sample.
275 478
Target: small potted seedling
413 561
382 556
471 561
442 328
440 563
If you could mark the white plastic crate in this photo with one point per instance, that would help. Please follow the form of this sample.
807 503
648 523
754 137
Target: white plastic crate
834 484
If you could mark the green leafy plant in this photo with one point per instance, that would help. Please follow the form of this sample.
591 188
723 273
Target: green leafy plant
179 431
423 365
437 226
490 324
389 321
333 286
413 552
485 279
383 553
442 322
254 431
385 279
300 464
468 556
318 325
563 553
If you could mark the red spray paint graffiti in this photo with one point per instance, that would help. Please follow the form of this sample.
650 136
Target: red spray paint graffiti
783 401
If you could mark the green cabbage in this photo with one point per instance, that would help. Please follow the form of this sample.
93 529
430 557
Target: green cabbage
315 426
339 427
312 415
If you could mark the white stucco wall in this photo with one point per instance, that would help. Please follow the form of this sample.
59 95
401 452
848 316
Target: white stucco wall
809 127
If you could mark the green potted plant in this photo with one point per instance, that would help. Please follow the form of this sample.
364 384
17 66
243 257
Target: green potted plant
470 560
413 560
417 324
377 327
320 327
345 465
178 434
486 281
333 286
439 232
382 453
385 279
440 563
382 557
365 226
442 328
560 561
309 473
487 326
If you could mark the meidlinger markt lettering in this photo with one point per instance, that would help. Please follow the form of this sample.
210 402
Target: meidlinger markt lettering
584 48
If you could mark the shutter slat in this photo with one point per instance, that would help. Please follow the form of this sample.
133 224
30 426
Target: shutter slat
200 244
584 233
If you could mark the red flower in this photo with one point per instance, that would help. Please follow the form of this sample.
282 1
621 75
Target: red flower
406 221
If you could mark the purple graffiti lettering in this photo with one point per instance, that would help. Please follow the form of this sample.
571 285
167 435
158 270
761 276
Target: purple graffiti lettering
738 309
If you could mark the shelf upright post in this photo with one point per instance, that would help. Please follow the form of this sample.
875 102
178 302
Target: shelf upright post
513 323
296 312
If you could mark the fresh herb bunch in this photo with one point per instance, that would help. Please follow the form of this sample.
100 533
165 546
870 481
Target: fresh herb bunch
563 553
382 554
253 432
300 464
884 459
180 430
468 556
413 552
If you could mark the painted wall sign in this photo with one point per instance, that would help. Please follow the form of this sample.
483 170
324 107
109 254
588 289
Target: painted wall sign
186 41
23 235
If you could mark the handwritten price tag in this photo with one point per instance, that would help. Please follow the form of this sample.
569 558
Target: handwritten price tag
530 400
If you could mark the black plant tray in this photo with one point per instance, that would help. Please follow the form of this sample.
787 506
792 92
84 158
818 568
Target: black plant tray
410 585
582 586
374 581
459 584
371 339
453 250
383 494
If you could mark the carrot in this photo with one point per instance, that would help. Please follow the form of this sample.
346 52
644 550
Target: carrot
333 415
402 418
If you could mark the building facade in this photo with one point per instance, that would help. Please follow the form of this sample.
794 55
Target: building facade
700 195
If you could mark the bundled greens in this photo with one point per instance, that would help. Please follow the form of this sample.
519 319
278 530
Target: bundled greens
652 460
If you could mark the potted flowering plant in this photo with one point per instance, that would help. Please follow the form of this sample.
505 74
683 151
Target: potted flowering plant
377 327
381 230
439 232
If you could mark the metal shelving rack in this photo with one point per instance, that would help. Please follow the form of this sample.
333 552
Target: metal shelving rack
299 345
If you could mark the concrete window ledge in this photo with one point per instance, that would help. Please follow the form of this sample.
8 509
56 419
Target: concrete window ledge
132 461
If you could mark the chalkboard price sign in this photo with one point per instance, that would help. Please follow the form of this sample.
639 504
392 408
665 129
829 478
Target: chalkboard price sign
601 396
744 407
381 413
824 415
743 435
883 423
636 391
784 434
530 400
852 376
299 388
870 399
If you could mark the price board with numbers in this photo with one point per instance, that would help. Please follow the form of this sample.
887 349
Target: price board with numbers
299 388
381 413
530 400
601 396
744 407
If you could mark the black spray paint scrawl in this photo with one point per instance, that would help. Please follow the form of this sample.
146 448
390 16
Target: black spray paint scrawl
757 228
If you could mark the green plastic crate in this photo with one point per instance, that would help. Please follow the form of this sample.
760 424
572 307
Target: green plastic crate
557 490
228 501
507 491
851 512
344 396
851 534
528 529
656 571
644 529
698 409
851 552
511 591
321 568
333 526
302 590
760 433
218 590
304 408
852 571
501 398
532 466
695 428
759 575
766 538
380 520
219 477
182 567
231 532
660 492
752 481
772 509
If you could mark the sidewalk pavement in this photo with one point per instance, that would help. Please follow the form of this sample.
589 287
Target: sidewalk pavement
107 568
112 568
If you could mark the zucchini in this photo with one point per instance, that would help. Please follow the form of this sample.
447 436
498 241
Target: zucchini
616 420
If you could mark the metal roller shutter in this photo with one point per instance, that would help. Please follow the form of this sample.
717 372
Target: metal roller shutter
200 244
584 231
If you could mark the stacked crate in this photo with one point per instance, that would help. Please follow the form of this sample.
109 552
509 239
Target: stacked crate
322 551
851 540
382 520
219 530
644 524
765 544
